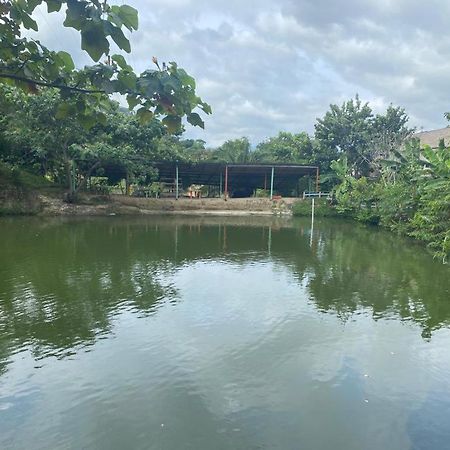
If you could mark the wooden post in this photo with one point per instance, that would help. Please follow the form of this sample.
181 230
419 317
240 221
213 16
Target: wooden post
220 188
317 180
271 183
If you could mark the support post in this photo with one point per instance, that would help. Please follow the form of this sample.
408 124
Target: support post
269 241
226 182
220 188
317 180
74 178
176 182
271 182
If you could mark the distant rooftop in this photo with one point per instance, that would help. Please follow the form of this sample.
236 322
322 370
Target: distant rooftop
433 137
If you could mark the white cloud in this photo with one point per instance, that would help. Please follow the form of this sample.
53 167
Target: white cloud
277 65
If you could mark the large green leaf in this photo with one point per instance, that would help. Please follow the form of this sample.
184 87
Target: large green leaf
172 123
185 78
206 108
119 38
75 14
196 120
121 62
132 101
170 83
129 17
128 79
53 5
28 22
32 5
144 115
67 60
93 40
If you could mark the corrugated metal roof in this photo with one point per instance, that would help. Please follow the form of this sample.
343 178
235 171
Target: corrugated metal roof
242 174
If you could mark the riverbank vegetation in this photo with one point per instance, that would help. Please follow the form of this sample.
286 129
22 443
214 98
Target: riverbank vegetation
61 124
410 195
374 168
322 208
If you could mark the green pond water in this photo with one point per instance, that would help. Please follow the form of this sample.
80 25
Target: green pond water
215 333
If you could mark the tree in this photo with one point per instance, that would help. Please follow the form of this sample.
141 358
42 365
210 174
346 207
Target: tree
345 130
233 151
56 142
352 130
285 148
388 134
168 92
68 152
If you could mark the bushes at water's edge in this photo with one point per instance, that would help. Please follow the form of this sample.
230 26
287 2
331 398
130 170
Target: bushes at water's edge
413 199
322 208
415 211
18 191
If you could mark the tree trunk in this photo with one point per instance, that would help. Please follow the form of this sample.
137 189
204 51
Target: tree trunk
127 184
68 165
86 177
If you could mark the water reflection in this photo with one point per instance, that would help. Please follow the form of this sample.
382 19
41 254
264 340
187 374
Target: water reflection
243 332
66 279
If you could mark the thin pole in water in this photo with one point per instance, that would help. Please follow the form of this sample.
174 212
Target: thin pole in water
312 221
271 183
176 181
269 241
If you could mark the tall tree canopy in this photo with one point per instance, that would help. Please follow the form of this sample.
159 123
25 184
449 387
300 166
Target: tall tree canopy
233 151
285 148
352 130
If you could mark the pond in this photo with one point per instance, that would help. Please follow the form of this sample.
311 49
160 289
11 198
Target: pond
220 333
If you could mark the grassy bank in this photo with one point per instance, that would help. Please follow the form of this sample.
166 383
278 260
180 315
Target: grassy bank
19 191
322 208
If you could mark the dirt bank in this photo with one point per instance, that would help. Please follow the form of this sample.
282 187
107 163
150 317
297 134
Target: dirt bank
123 205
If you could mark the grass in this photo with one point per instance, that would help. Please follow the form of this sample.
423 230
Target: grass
18 191
18 178
322 208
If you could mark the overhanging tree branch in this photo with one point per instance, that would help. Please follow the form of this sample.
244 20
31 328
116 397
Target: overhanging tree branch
52 85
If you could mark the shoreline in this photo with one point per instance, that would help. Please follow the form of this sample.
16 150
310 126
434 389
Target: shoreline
45 205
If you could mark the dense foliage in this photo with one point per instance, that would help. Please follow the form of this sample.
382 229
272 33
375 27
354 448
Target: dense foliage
411 195
167 92
32 136
60 122
363 138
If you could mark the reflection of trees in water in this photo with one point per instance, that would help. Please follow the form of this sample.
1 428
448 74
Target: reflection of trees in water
66 280
360 268
64 284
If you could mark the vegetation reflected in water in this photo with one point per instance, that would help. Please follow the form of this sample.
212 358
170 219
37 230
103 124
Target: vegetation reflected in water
192 286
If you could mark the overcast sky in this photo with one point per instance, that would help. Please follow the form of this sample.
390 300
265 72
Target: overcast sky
267 65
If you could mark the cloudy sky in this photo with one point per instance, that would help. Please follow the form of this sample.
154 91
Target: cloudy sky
272 65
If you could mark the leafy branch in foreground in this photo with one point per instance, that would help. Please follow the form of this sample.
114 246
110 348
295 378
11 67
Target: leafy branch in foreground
167 92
